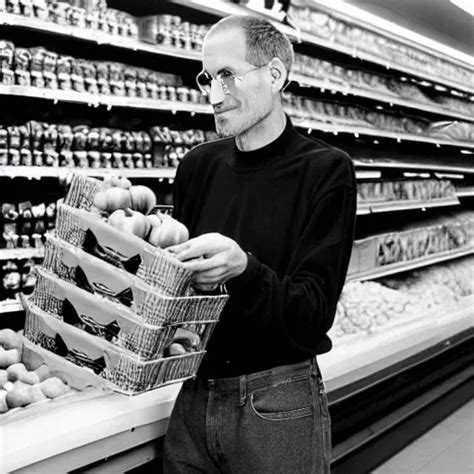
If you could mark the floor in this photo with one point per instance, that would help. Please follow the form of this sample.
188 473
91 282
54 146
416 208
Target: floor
447 448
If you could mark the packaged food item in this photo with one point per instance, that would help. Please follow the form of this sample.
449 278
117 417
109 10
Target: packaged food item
37 66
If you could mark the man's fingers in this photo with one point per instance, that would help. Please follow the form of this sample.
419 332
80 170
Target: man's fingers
206 244
193 250
200 246
217 275
204 264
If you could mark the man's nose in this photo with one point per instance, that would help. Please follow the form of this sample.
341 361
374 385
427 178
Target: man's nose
217 92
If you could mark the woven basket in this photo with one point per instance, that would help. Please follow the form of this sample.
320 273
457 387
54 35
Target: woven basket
144 300
88 272
124 371
164 272
154 265
155 308
82 191
108 320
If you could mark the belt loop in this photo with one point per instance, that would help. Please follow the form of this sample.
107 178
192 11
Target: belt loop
315 367
243 389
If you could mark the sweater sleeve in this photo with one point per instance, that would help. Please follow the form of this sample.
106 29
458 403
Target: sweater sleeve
299 308
177 194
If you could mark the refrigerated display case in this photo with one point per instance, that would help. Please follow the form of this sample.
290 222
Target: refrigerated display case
402 110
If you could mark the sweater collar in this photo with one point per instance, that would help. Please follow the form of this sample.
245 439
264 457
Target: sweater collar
255 159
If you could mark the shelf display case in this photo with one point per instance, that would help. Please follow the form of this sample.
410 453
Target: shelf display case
128 104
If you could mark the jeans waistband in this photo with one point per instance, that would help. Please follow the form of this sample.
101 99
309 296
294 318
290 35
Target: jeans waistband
257 380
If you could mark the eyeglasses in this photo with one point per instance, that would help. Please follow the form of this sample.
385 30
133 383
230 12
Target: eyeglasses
225 78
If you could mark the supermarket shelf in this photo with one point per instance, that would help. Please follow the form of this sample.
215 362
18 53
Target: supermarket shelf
100 37
378 96
352 14
93 36
465 192
21 253
358 356
394 268
89 427
10 306
381 163
375 207
38 172
374 132
221 8
93 100
355 53
152 104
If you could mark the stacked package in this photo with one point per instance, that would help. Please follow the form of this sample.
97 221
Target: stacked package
308 17
308 112
171 31
61 145
435 236
110 309
91 14
39 67
354 80
405 190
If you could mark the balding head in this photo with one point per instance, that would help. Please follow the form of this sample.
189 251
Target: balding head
263 41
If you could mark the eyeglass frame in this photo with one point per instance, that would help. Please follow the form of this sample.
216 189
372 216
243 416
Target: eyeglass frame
224 87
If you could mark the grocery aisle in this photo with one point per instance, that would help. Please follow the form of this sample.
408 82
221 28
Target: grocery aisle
446 448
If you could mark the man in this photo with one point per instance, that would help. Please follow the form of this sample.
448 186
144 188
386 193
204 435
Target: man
271 214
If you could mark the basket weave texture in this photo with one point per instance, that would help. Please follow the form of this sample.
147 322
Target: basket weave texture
128 374
162 303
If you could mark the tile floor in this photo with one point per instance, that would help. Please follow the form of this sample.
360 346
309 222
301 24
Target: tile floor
447 448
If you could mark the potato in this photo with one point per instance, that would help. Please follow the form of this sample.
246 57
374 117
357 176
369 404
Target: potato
35 394
3 401
176 349
43 372
17 396
10 339
3 377
19 372
24 394
53 387
9 357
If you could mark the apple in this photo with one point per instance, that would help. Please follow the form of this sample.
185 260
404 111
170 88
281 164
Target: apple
169 232
131 222
176 349
112 199
143 199
155 222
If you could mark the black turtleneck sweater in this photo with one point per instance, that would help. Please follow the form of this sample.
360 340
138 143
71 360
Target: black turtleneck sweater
292 206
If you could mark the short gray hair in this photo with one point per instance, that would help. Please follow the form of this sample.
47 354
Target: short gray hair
263 41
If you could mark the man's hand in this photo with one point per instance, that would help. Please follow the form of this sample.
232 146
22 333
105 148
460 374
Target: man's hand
213 258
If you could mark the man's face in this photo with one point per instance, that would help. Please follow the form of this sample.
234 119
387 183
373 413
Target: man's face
250 100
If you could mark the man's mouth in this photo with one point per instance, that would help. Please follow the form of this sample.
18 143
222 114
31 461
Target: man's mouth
222 111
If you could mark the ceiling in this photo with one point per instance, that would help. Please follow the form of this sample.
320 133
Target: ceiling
439 20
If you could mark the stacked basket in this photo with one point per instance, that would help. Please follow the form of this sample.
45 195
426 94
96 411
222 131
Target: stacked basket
107 305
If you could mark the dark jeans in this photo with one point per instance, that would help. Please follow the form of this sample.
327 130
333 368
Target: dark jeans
275 421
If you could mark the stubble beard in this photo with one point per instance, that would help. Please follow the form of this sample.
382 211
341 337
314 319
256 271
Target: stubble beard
225 129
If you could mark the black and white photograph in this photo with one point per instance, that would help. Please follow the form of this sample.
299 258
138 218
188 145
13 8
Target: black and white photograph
237 236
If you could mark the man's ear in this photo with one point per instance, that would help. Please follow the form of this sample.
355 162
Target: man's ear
278 73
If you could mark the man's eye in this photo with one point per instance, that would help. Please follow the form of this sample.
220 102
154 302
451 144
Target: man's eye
226 73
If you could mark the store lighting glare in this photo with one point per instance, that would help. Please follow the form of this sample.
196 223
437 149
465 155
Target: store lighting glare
466 5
